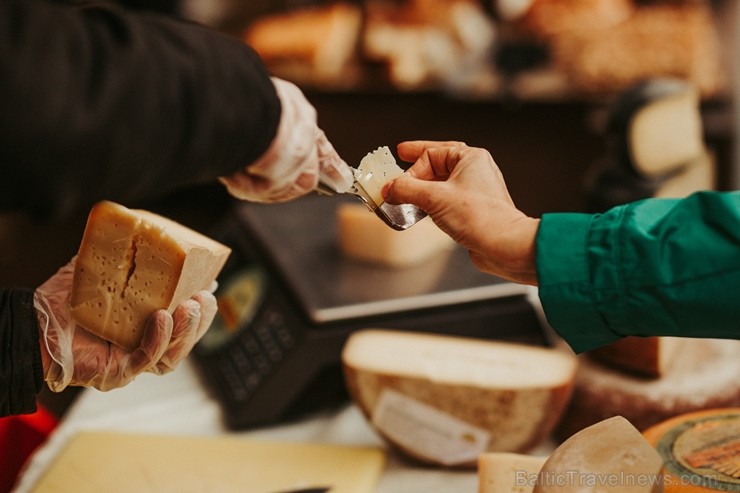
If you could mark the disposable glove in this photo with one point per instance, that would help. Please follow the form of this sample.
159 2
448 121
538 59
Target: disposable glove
298 156
74 356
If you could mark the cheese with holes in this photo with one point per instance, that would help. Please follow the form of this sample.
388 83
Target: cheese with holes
131 263
610 456
364 236
445 399
648 356
375 170
507 472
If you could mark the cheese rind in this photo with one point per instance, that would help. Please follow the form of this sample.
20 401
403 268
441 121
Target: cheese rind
513 392
131 263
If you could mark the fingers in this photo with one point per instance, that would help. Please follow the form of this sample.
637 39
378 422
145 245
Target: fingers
154 344
432 160
333 170
191 320
186 319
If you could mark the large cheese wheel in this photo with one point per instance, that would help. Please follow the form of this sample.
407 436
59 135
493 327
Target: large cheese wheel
445 400
700 451
608 457
131 263
706 374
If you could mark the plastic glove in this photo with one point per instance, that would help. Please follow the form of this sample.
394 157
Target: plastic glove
74 356
299 155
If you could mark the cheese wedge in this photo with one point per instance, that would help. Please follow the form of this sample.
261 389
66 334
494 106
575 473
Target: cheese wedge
506 472
608 457
131 263
445 400
375 170
647 356
363 236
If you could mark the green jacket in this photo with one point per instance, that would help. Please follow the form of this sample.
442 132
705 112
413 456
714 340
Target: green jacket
657 267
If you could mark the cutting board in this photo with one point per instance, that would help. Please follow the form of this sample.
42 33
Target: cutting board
95 461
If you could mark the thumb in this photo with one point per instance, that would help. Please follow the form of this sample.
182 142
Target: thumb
408 190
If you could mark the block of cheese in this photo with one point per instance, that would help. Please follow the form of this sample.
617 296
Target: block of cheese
375 170
444 400
609 456
133 262
363 236
704 376
508 472
648 356
700 450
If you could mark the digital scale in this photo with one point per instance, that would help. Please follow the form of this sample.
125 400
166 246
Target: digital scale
288 299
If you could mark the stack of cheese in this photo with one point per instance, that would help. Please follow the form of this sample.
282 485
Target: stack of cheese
648 380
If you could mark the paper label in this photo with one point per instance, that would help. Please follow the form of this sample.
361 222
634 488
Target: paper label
426 431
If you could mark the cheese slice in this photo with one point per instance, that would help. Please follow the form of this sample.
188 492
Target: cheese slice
507 472
363 236
375 170
608 457
445 400
131 263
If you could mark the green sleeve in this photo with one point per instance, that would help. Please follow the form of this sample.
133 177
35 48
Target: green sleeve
657 267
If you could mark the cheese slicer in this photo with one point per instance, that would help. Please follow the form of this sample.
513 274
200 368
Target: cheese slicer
398 217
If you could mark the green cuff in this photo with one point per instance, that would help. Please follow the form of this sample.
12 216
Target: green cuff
564 279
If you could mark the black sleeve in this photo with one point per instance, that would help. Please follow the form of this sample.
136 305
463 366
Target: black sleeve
102 103
21 374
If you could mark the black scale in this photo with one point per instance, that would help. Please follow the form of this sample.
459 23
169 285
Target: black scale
288 300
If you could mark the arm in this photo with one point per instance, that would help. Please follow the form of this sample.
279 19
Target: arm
655 267
102 103
20 362
667 267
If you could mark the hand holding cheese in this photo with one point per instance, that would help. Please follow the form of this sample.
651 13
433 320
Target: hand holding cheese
74 356
463 191
297 157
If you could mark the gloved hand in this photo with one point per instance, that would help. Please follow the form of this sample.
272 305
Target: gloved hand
73 356
299 154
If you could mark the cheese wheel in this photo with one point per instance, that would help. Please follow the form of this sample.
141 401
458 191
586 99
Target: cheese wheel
704 376
363 236
700 451
507 472
609 456
131 263
445 400
648 356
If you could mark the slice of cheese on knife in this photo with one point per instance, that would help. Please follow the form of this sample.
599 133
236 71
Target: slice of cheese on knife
132 263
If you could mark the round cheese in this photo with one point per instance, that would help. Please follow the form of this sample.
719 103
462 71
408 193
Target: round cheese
700 451
445 400
704 375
